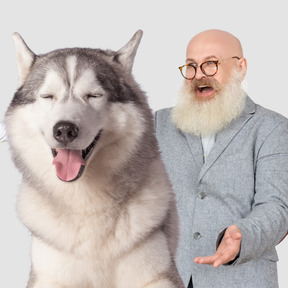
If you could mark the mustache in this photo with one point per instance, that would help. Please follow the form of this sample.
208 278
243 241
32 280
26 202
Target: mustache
195 83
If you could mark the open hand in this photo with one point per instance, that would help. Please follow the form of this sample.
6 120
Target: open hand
227 250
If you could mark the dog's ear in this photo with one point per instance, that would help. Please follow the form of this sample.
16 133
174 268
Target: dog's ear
24 56
127 53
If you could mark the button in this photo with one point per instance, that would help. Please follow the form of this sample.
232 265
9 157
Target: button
197 236
202 195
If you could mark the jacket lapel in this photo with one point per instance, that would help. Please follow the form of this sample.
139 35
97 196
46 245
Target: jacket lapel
226 136
195 146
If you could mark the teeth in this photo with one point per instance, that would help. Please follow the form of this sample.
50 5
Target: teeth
88 150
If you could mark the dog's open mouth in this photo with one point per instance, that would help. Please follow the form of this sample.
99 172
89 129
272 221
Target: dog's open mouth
69 163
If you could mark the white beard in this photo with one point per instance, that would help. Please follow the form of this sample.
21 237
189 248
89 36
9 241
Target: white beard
205 118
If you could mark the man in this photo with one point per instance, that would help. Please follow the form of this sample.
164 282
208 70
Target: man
227 159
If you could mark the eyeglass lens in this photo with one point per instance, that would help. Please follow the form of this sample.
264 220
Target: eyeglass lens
209 68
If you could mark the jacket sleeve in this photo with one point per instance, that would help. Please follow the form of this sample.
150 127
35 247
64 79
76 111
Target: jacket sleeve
267 223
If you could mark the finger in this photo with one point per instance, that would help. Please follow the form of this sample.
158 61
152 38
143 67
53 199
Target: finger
237 235
220 261
206 260
216 260
234 232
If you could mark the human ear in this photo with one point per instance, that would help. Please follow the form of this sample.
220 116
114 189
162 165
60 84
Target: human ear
242 67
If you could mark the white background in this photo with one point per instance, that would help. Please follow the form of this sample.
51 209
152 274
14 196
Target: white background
168 26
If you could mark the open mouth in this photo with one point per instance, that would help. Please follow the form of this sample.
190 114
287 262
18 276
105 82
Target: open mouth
205 89
69 163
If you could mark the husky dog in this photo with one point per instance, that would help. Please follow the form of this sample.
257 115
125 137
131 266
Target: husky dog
95 194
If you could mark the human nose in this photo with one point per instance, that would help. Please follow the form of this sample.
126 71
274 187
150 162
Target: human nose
199 73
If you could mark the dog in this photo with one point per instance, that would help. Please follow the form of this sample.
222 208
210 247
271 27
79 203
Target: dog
95 194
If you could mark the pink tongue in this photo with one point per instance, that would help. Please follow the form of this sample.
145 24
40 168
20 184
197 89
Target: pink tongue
68 163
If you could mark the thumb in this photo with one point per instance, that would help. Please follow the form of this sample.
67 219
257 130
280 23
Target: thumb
234 232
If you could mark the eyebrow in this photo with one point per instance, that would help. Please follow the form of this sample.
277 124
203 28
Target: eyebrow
205 59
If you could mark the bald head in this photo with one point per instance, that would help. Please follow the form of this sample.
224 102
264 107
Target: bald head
217 45
214 41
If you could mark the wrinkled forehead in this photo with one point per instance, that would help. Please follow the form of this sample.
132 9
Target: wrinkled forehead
204 51
213 44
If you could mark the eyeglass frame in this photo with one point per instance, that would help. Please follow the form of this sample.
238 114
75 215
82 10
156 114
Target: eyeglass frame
194 65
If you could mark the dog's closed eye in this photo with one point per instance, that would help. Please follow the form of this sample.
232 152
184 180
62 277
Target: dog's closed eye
47 96
94 95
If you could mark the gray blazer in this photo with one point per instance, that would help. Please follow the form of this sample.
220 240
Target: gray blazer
244 181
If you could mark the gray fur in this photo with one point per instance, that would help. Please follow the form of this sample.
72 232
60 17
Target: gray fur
119 217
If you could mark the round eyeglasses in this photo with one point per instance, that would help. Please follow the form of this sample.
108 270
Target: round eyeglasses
208 68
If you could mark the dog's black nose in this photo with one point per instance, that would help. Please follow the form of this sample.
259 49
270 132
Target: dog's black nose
65 132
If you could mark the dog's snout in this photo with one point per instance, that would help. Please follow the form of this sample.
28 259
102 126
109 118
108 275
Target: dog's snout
65 132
